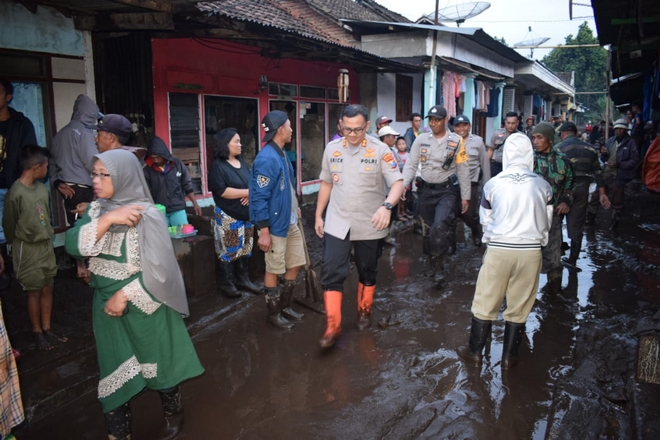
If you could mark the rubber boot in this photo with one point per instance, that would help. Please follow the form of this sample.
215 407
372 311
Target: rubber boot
332 301
365 300
438 270
274 304
227 280
591 218
119 422
287 295
243 282
173 410
616 216
479 333
476 236
571 261
513 333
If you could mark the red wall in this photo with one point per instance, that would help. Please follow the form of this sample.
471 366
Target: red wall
223 68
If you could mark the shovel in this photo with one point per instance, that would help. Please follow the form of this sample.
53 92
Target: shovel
313 298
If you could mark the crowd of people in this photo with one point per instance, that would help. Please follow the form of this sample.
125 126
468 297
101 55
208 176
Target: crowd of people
512 193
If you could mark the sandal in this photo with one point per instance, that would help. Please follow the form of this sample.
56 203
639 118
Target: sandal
61 337
42 342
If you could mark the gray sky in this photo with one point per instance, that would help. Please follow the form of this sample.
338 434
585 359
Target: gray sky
510 19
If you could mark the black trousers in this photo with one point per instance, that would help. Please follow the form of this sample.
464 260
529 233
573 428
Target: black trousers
437 208
471 216
83 194
578 214
336 259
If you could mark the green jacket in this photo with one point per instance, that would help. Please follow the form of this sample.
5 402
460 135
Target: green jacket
555 168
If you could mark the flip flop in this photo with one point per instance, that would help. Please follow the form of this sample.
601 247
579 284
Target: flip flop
42 342
56 334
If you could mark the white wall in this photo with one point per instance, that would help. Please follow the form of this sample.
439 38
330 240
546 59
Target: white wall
387 99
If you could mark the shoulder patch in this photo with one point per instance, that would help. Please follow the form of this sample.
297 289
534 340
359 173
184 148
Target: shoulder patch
389 158
262 180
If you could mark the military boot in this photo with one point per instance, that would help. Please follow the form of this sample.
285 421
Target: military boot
479 333
274 305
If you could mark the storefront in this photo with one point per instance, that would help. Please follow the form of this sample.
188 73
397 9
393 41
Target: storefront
202 86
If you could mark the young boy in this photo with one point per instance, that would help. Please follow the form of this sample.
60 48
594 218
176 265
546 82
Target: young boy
26 221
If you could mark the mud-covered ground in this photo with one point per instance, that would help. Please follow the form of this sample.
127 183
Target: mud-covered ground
402 379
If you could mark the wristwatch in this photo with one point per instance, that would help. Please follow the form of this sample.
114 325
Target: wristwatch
387 205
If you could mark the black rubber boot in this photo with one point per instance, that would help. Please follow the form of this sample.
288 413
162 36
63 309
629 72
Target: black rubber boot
243 282
571 261
287 295
119 423
227 280
173 410
476 236
274 304
591 218
438 270
513 333
616 217
479 333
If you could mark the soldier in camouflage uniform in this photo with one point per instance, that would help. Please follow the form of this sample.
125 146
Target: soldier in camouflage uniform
555 168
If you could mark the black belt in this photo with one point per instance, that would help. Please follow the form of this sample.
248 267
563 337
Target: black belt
442 185
77 184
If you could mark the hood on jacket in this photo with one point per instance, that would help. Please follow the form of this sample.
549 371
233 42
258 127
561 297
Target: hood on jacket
518 152
85 110
157 146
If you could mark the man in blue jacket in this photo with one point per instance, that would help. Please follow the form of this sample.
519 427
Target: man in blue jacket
274 210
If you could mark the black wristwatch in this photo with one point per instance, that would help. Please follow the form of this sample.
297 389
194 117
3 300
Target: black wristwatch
387 205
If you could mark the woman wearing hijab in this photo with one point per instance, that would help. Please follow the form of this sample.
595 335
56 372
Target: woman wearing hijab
228 180
139 297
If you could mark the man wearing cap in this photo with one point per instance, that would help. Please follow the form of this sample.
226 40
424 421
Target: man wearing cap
479 171
382 121
445 174
556 169
358 215
113 132
388 135
274 210
497 142
621 157
586 169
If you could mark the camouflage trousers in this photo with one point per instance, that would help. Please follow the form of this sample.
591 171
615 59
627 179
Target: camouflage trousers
552 251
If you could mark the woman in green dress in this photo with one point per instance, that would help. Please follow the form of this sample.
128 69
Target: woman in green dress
139 296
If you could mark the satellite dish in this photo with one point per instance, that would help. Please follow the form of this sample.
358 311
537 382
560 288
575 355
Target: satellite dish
532 42
460 12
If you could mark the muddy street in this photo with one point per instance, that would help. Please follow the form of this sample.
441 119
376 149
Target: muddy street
402 378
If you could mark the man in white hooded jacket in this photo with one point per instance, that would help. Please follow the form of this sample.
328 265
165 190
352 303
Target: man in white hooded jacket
516 214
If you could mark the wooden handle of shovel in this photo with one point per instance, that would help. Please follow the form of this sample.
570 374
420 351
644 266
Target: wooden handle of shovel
304 240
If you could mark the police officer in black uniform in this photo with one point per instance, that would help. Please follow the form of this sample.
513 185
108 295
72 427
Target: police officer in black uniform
445 176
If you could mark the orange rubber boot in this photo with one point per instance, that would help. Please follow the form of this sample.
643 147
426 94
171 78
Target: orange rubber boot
365 300
332 301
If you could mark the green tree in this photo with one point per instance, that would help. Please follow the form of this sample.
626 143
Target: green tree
588 63
501 40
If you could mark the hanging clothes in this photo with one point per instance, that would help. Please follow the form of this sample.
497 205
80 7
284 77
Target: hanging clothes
449 86
493 108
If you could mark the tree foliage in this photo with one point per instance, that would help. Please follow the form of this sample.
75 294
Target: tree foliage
589 65
501 40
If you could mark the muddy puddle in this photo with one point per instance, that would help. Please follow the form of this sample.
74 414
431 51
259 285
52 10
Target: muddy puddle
402 379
